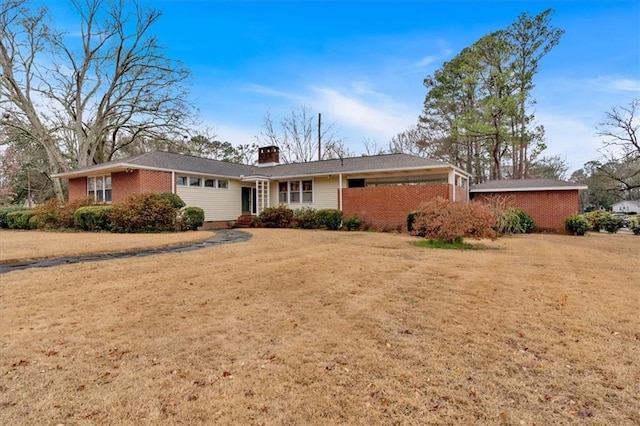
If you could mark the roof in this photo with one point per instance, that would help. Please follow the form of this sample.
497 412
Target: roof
633 202
190 164
514 185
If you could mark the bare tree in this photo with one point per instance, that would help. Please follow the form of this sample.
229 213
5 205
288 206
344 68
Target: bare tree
621 149
86 98
296 135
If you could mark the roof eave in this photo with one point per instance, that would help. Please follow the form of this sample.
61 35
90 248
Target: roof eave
541 188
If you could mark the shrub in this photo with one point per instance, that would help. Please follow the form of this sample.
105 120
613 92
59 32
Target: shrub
352 223
612 223
596 219
192 218
329 218
448 221
526 221
3 214
19 219
635 226
276 217
56 215
576 225
305 218
144 213
411 218
174 199
92 218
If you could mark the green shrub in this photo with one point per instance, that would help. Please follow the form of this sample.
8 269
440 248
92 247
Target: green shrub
329 219
193 217
19 219
275 217
3 214
92 218
576 225
448 221
596 219
57 215
352 223
508 222
174 199
305 218
527 223
635 226
411 218
612 223
144 213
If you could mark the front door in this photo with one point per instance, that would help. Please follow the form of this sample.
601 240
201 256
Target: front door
248 200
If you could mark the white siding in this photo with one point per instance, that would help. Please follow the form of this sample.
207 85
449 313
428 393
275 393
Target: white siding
217 203
325 194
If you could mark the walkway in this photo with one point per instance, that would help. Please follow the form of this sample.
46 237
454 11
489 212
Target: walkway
224 236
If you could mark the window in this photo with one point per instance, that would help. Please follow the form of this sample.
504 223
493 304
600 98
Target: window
295 192
223 183
195 181
181 180
210 183
99 188
283 192
307 191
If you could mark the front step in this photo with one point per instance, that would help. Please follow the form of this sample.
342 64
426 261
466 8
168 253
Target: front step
243 221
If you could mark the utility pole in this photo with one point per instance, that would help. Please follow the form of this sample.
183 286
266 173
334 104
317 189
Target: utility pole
319 137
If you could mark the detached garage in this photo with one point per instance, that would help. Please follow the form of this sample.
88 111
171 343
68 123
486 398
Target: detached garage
547 201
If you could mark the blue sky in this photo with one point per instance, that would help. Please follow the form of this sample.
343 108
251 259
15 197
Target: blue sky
361 63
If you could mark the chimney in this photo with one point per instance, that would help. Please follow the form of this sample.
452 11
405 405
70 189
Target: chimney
268 156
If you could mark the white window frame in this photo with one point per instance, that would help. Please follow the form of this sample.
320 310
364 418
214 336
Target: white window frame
102 195
300 192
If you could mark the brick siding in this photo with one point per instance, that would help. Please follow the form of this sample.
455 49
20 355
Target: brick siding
548 209
78 188
124 184
387 207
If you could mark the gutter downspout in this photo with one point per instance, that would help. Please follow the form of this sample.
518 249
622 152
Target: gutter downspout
173 182
340 193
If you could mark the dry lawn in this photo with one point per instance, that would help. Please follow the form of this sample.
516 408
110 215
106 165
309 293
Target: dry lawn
314 327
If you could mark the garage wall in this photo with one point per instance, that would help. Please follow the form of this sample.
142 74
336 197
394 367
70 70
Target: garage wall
548 209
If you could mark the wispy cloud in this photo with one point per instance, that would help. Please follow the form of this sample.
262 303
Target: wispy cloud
270 91
615 83
430 59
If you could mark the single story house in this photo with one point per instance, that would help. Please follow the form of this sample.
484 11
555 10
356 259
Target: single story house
626 206
381 189
548 201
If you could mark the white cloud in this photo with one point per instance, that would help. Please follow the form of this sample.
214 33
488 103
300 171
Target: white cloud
430 59
270 91
570 137
379 120
615 83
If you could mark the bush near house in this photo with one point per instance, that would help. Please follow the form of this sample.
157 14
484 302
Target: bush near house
513 221
274 217
612 224
144 213
305 218
192 218
596 219
4 211
635 226
93 218
20 219
448 221
352 223
174 199
329 219
57 215
576 225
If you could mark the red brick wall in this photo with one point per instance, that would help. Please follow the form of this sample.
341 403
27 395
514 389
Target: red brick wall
137 181
77 188
548 209
388 206
461 194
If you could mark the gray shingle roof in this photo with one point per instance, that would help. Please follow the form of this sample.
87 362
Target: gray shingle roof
190 164
506 185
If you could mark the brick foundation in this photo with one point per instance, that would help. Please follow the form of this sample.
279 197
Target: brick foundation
387 207
548 209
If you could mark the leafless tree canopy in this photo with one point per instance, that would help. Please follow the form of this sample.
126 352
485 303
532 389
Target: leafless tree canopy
84 97
296 135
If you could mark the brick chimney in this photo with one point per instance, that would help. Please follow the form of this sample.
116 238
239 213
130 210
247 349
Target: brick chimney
268 156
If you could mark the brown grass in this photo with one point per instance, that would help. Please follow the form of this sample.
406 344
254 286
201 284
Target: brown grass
29 245
314 327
